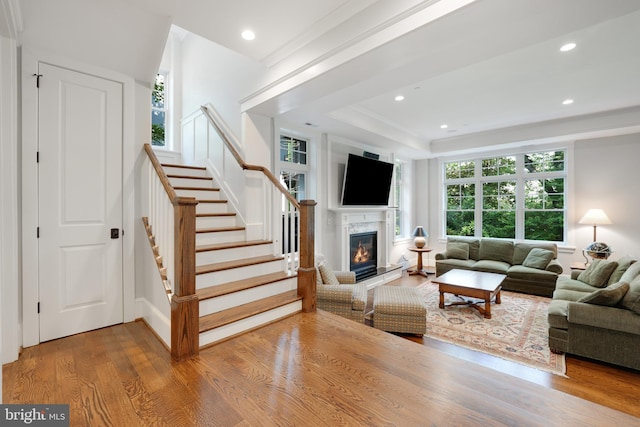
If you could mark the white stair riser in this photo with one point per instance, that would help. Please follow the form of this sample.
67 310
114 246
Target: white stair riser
188 182
249 323
231 254
205 208
224 302
240 273
220 237
184 171
215 222
199 194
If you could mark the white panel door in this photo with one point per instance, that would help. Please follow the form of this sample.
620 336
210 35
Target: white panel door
80 201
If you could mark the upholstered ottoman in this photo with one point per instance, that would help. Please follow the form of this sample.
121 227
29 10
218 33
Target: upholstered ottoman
399 309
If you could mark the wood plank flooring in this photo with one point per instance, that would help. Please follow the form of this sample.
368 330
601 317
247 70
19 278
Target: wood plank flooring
313 369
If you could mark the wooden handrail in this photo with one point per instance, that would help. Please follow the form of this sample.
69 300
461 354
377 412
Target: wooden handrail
184 301
163 176
245 165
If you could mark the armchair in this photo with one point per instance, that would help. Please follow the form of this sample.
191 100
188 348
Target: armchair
338 293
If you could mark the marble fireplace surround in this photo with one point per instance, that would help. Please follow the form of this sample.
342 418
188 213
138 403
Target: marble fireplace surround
353 221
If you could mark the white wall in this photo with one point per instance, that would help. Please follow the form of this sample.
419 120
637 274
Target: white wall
214 74
607 176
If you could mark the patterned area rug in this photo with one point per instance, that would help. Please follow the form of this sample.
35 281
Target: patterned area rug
517 330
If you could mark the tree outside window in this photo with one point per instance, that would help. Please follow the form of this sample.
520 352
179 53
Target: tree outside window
521 197
158 111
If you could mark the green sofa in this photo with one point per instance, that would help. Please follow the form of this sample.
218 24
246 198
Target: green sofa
532 273
598 322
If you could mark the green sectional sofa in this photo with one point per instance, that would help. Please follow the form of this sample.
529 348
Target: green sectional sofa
531 268
596 313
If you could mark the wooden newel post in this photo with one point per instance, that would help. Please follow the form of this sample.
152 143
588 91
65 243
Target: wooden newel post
184 303
307 269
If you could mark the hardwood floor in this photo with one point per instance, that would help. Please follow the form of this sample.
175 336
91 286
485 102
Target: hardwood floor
310 369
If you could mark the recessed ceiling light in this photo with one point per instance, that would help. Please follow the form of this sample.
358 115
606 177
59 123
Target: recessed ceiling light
248 35
399 98
444 126
567 102
567 47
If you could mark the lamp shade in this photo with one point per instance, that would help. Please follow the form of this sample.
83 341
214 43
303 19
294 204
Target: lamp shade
420 237
419 232
595 217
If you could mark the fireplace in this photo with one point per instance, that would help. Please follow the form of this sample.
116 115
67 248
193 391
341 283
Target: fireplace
363 254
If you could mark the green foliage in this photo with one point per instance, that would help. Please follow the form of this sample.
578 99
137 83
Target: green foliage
157 135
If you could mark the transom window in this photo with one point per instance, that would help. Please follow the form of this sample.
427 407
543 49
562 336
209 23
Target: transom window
514 197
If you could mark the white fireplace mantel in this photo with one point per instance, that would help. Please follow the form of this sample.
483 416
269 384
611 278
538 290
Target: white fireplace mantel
354 220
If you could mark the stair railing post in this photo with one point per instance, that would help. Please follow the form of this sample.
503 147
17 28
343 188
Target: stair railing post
307 269
184 303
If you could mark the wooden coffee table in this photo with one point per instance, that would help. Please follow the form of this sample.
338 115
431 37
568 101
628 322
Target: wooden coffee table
473 284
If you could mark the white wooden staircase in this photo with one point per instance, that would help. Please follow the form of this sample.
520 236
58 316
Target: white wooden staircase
240 284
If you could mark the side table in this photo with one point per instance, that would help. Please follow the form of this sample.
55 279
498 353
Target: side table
419 268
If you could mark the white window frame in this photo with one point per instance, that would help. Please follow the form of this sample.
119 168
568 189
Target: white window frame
304 169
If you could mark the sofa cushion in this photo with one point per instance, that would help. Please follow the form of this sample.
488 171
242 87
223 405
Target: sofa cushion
491 266
496 250
598 272
328 276
631 300
521 272
574 285
568 295
474 246
623 265
609 296
458 250
538 258
521 250
632 272
465 264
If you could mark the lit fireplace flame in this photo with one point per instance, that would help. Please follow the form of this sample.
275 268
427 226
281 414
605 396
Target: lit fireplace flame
361 254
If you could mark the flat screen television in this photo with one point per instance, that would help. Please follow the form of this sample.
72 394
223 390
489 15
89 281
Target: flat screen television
366 182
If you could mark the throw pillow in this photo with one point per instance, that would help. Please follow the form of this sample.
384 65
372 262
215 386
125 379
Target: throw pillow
598 272
631 300
538 258
623 265
457 250
632 272
328 276
610 296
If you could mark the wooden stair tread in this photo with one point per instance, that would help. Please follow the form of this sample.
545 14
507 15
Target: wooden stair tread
240 312
190 177
219 229
231 245
228 265
196 188
205 215
240 285
213 201
171 165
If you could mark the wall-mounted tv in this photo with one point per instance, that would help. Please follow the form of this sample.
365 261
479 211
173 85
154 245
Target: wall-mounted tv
366 182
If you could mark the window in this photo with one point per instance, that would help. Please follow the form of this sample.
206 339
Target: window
159 110
294 166
398 198
514 197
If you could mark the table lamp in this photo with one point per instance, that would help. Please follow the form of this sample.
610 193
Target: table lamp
595 217
420 237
